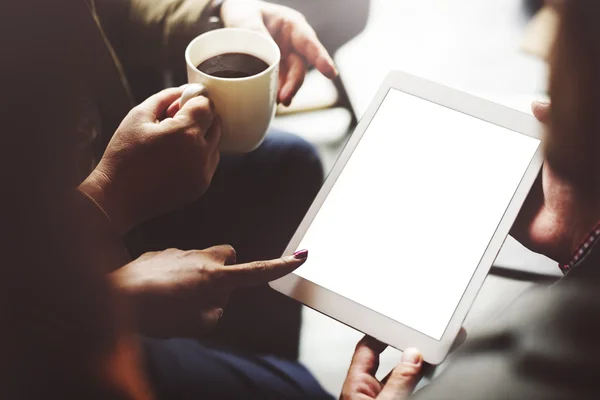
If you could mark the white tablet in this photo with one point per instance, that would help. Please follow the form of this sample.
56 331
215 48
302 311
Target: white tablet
414 212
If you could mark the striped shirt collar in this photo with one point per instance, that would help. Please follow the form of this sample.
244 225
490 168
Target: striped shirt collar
583 251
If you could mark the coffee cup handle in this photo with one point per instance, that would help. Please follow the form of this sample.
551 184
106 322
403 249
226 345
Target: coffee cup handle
192 90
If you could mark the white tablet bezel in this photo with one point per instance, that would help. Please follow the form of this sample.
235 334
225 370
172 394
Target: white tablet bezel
366 320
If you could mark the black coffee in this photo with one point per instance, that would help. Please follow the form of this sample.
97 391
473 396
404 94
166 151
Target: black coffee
233 65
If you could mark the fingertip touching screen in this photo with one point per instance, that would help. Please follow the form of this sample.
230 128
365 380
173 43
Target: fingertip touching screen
411 215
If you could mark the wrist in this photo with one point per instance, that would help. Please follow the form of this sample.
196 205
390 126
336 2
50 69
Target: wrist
96 188
102 246
118 280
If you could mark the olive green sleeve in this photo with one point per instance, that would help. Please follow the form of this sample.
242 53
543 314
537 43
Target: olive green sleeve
150 33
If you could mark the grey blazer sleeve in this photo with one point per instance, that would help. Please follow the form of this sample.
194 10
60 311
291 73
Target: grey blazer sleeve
546 346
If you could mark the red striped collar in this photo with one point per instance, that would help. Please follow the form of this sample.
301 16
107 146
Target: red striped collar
584 249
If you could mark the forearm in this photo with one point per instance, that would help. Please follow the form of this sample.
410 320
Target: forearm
102 244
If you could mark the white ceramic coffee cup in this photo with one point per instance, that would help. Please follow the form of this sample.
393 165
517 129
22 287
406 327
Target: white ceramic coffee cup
246 106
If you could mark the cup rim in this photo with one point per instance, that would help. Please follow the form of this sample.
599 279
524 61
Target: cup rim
246 31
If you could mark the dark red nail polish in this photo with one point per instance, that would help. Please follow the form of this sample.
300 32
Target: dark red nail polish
301 254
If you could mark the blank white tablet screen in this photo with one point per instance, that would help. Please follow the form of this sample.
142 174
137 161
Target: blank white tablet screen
407 222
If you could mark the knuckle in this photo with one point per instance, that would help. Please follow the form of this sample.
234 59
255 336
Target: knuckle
308 43
200 108
288 20
208 277
260 266
184 132
208 272
204 271
405 373
172 129
137 113
217 274
207 250
228 251
215 253
170 91
196 257
200 254
190 253
223 250
297 16
191 133
360 387
292 15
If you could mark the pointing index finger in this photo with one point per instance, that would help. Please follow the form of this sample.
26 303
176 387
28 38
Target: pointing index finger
261 272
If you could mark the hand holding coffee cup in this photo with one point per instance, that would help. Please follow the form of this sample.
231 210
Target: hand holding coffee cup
238 70
156 162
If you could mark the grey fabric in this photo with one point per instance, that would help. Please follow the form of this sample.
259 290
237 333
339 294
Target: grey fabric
546 346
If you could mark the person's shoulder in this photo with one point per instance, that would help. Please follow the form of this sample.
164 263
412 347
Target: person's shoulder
559 305
546 346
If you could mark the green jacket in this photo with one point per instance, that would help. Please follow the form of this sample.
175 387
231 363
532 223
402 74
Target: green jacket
134 43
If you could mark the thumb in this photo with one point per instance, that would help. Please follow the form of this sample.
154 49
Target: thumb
157 105
404 377
541 110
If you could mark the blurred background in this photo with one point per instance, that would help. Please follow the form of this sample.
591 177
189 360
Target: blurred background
493 49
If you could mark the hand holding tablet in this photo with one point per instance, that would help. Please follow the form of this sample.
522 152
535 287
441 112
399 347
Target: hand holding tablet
414 213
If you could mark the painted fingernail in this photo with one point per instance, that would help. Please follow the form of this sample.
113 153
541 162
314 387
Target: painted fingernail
411 356
301 254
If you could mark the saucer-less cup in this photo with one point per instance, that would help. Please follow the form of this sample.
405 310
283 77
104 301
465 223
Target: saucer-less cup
246 106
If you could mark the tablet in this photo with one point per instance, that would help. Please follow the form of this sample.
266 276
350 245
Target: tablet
414 212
